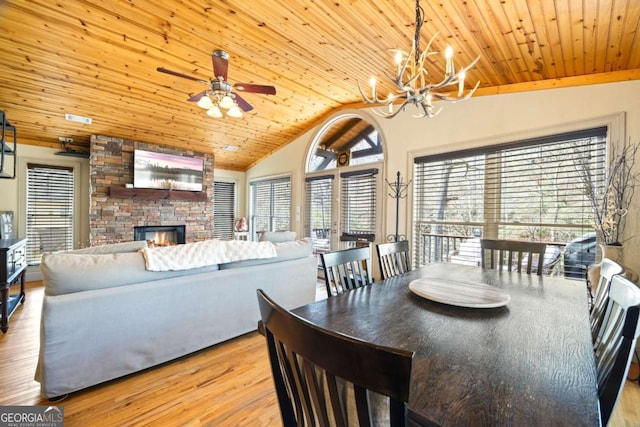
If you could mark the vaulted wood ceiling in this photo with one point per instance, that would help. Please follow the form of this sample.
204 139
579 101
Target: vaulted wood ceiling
98 58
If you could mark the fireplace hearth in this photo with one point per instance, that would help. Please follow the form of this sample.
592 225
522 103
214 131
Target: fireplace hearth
160 235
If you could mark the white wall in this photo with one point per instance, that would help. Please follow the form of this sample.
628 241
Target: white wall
241 188
476 122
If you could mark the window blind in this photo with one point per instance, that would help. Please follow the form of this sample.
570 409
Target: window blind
358 204
224 199
319 218
271 205
526 190
49 210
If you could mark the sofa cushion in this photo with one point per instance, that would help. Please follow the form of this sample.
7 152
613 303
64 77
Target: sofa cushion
277 236
285 251
112 248
64 273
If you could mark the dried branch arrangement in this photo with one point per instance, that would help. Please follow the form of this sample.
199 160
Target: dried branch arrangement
610 203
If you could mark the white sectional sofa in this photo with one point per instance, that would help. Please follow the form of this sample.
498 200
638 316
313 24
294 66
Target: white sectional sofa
105 316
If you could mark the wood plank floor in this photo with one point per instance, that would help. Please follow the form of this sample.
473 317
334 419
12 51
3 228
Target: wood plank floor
226 385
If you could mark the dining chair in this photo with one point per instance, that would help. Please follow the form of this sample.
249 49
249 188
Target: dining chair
394 258
608 269
326 378
346 269
616 342
512 254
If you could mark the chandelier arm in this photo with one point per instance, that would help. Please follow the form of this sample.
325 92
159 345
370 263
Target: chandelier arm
444 97
401 70
451 80
366 99
380 112
405 87
448 80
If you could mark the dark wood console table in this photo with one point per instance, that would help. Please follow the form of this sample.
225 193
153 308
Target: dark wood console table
13 264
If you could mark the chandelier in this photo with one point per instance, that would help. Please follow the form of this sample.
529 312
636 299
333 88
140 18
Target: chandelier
411 79
216 101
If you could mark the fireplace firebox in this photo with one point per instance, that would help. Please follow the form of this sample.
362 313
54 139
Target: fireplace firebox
160 235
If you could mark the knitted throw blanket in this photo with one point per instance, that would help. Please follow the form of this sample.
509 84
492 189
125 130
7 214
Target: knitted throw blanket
204 253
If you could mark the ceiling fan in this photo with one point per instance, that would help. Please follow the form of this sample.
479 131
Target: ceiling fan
222 94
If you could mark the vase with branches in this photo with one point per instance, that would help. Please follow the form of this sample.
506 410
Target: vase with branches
610 202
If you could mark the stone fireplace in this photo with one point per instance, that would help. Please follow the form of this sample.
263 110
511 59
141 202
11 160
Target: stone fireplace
112 216
160 235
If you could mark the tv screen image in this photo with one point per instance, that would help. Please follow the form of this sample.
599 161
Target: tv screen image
167 171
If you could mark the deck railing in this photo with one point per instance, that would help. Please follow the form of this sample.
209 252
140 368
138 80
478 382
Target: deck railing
438 247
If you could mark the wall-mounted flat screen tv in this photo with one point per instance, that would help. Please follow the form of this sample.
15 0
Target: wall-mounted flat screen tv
166 171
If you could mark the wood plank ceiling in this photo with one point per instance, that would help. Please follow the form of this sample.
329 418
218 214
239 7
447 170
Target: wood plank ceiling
98 58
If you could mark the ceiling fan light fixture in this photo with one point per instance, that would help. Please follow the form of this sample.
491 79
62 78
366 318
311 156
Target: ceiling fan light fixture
205 102
226 102
214 112
221 94
234 111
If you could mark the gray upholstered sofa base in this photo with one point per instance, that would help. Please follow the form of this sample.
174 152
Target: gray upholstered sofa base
92 333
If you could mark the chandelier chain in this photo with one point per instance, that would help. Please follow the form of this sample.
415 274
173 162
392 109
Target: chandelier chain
416 39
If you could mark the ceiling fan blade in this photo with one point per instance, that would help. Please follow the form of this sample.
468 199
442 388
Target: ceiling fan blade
244 105
220 60
184 76
248 87
197 96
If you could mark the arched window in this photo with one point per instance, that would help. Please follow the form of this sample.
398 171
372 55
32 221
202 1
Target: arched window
347 140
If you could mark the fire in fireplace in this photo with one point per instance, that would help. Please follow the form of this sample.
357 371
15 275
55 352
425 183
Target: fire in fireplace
160 235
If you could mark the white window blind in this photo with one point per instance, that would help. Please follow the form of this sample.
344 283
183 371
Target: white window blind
526 190
49 210
358 195
319 219
271 205
224 199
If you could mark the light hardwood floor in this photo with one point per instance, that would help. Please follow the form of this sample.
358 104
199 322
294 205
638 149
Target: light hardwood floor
226 385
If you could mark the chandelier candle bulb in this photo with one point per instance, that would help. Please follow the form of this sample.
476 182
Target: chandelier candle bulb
448 54
372 81
398 62
461 76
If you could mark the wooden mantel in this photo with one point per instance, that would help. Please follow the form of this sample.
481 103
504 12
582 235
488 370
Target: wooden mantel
151 194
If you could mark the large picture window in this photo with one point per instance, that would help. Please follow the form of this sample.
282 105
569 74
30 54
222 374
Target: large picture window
270 205
526 190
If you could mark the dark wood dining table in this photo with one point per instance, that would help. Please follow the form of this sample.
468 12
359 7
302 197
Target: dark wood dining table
528 363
